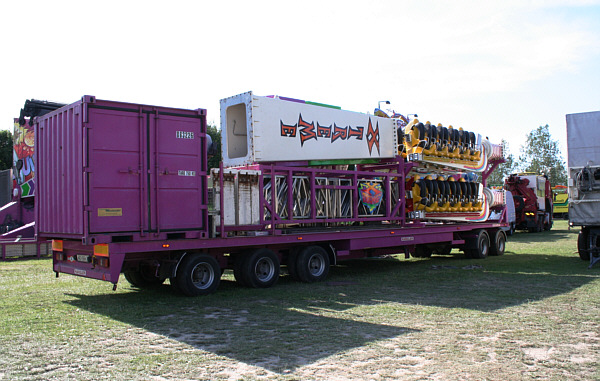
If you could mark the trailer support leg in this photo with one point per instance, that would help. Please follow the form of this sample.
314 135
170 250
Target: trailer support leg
593 248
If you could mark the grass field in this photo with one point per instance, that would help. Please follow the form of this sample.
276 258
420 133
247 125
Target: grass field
533 313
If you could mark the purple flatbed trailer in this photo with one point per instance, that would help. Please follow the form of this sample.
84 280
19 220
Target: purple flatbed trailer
125 188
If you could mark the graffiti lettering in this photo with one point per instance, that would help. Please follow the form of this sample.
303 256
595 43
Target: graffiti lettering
339 133
358 133
333 132
288 130
307 130
323 131
373 137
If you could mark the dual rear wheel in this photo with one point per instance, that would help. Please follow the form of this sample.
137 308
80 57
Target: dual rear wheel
481 245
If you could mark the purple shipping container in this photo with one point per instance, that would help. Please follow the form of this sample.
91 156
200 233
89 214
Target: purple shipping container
117 172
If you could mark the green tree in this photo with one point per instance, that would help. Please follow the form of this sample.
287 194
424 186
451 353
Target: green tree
215 134
541 155
496 178
6 149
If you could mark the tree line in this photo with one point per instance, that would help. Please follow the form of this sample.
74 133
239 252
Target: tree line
540 155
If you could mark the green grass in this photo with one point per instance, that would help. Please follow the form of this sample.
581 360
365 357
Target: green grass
532 313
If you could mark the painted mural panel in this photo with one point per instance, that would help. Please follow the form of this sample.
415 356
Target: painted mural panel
23 159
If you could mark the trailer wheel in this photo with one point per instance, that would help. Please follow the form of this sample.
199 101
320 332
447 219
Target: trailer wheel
143 279
198 274
261 269
312 264
583 244
482 248
498 244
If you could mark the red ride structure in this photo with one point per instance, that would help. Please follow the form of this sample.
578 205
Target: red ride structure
533 201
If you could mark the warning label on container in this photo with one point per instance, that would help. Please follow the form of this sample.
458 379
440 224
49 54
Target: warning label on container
186 173
110 212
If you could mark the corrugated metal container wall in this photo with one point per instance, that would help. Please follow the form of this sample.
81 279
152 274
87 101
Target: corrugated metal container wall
110 169
59 162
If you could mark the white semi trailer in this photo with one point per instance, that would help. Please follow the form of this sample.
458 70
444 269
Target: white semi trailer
583 145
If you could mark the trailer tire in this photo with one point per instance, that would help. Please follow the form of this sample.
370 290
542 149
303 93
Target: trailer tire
312 264
582 244
261 269
143 279
498 244
482 246
198 274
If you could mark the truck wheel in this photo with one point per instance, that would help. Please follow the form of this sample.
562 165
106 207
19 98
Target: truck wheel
198 274
261 269
312 264
142 278
583 244
498 244
482 248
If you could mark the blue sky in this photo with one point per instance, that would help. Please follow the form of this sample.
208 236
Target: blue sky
500 68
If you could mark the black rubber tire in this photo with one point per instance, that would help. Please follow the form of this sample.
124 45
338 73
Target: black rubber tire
142 279
482 249
582 244
422 251
498 243
312 264
261 268
198 274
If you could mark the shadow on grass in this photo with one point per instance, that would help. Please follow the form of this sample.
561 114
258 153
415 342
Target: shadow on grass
276 332
295 324
545 236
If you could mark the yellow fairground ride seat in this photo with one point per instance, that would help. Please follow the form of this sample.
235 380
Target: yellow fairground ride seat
440 141
442 194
